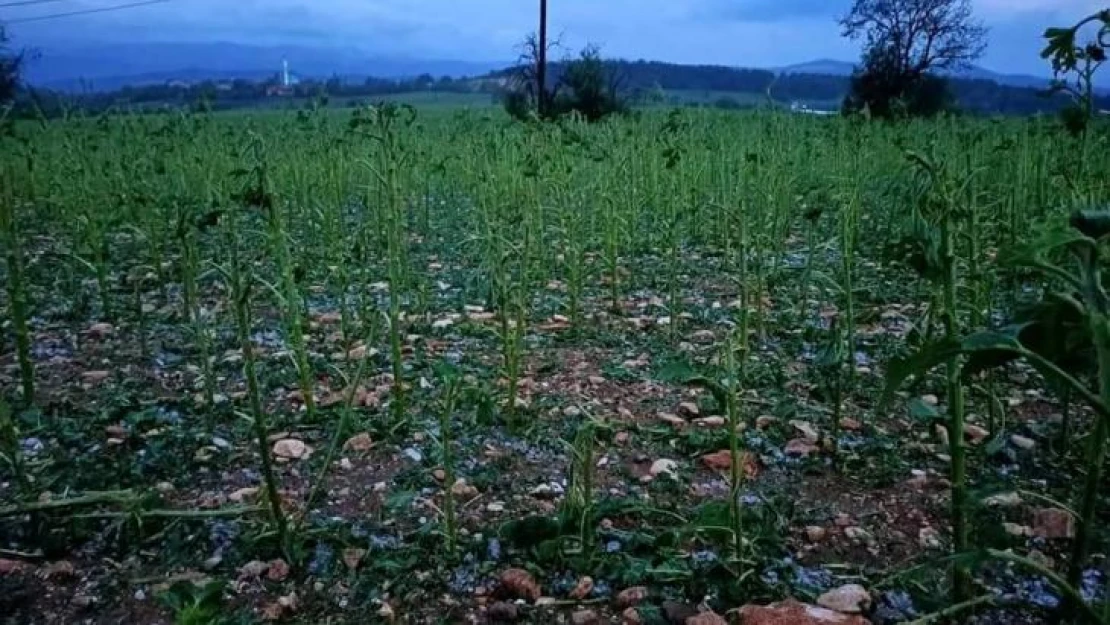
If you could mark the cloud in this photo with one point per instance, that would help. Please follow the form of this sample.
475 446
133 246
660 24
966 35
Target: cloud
772 10
736 32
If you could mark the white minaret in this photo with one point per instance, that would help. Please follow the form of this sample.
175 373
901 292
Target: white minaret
285 72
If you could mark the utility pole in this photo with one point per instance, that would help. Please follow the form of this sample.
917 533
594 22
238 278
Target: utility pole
541 62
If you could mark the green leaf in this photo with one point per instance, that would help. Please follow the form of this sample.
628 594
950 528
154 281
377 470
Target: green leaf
921 411
1093 223
917 364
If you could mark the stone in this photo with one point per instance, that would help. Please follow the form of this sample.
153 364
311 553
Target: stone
722 461
807 430
631 616
95 377
503 612
663 465
1022 442
930 400
847 599
622 438
1015 529
689 409
672 419
676 613
253 569
462 490
352 557
359 443
849 424
1003 500
519 584
631 597
386 612
1053 523
765 422
929 538
816 533
710 422
707 618
975 434
439 475
243 494
585 617
291 449
857 534
62 569
277 570
791 612
495 507
582 589
703 336
801 448
101 330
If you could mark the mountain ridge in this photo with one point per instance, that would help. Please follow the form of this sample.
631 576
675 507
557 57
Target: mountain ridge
107 67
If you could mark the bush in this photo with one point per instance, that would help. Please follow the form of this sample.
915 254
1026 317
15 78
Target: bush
887 92
587 86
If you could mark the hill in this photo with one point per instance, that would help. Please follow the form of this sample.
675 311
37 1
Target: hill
109 67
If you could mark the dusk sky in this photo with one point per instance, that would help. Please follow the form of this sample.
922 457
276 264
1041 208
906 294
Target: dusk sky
754 33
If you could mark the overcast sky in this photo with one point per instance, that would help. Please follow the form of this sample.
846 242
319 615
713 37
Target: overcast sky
756 33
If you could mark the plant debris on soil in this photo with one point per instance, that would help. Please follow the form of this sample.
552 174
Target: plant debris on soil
561 304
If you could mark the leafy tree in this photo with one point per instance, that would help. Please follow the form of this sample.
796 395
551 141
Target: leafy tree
884 92
10 63
907 43
589 87
587 84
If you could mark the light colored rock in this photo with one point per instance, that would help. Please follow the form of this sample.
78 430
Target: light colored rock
663 465
800 447
857 534
359 443
847 599
689 409
672 419
929 538
631 616
291 449
585 617
95 377
1003 500
1022 442
631 597
710 422
791 612
816 533
582 589
807 430
975 434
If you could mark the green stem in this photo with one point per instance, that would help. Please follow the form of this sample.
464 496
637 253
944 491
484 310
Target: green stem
961 579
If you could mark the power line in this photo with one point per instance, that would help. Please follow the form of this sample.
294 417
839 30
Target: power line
27 3
117 7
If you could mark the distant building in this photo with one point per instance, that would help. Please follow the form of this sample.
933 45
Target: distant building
286 82
799 107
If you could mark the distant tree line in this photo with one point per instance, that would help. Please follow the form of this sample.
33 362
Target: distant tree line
639 82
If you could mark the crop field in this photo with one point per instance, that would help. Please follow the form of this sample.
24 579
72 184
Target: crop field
436 366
